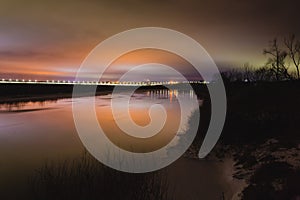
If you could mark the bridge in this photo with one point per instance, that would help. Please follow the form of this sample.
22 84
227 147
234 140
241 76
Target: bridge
106 83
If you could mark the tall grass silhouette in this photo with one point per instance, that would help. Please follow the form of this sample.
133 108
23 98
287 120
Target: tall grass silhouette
85 178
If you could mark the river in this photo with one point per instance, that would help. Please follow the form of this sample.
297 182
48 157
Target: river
33 133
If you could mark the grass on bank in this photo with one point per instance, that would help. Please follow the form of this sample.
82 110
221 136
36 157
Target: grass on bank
85 178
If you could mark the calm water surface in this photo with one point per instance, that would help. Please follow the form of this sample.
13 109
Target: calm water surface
33 133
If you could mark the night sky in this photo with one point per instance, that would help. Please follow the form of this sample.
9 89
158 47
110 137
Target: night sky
48 39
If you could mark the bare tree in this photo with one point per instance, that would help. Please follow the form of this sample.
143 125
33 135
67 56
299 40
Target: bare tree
233 75
263 74
276 61
293 46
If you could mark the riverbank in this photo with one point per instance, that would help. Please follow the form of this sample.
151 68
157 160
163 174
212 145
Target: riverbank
11 93
84 177
205 179
261 134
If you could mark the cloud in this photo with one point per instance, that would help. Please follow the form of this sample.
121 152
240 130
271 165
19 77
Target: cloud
49 34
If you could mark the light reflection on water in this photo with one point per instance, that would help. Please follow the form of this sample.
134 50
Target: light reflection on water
33 132
139 111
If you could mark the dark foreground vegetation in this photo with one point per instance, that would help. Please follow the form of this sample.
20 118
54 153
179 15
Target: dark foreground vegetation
262 130
86 178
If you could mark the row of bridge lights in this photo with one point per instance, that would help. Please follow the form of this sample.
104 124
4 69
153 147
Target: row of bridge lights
47 81
86 82
17 80
101 83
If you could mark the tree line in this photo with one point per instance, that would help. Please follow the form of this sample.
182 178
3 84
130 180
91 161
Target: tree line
283 62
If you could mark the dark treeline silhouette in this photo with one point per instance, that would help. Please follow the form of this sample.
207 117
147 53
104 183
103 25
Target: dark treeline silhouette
283 62
12 93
